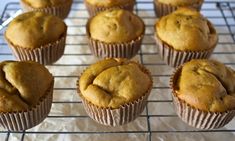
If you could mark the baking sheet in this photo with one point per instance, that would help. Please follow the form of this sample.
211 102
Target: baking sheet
68 119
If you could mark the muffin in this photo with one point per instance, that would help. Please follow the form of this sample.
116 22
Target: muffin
165 7
95 6
184 35
115 33
114 91
37 36
25 94
60 8
208 101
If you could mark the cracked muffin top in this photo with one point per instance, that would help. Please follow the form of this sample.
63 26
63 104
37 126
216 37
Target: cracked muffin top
22 84
109 3
115 26
207 85
186 30
45 3
34 29
111 83
181 2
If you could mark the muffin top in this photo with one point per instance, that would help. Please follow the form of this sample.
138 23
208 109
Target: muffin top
109 3
211 86
34 29
45 3
113 82
22 84
186 30
115 26
181 2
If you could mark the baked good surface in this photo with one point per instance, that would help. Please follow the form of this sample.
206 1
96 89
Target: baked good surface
109 3
45 3
113 82
115 26
34 29
207 85
186 30
22 84
180 2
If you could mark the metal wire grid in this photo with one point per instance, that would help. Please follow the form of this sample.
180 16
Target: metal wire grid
157 121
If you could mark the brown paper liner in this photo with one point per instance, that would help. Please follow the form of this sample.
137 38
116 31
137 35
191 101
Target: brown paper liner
61 11
93 10
122 115
195 117
114 50
116 117
162 9
46 54
18 121
175 57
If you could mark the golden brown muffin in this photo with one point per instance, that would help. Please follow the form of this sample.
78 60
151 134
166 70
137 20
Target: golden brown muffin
207 85
186 30
35 29
181 2
109 3
96 6
165 7
116 26
113 82
46 3
22 84
60 8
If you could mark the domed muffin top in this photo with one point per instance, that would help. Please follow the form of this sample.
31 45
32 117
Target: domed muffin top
181 2
113 82
187 30
34 29
109 3
22 84
45 3
115 26
207 85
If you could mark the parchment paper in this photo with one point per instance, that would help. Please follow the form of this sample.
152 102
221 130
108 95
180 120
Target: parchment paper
68 120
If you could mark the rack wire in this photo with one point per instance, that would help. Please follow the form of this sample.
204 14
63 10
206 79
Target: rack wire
68 120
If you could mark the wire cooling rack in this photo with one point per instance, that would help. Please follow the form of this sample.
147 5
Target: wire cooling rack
68 120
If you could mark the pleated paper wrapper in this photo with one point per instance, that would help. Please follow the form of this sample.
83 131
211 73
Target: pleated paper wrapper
61 11
18 121
46 54
162 9
195 117
174 58
116 117
93 10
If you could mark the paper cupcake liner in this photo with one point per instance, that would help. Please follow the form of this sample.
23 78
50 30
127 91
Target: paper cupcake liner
116 117
61 11
121 50
195 117
18 121
162 9
93 10
175 58
114 50
122 115
46 54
